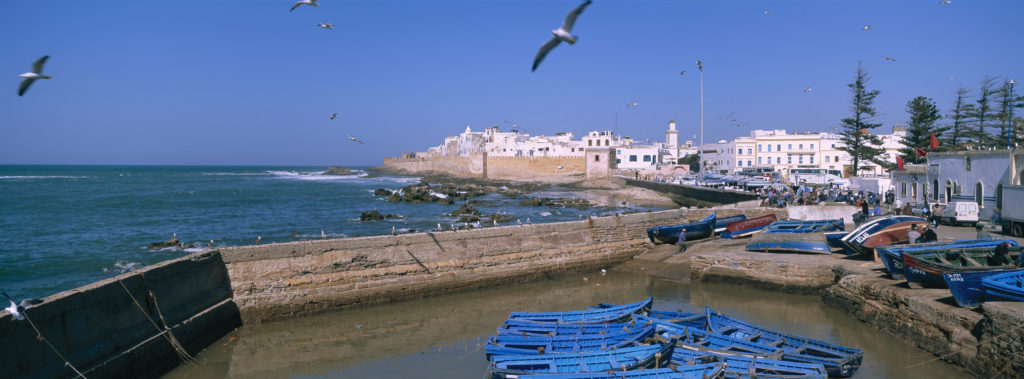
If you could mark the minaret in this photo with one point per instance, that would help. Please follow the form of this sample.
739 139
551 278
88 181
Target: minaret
671 135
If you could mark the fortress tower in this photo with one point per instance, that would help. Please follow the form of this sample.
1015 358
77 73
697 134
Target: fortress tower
671 135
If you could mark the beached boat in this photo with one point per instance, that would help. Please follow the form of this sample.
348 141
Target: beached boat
529 328
745 228
1007 286
595 315
968 287
811 243
738 366
692 231
805 226
893 261
833 240
701 371
625 359
722 223
697 339
838 360
887 230
533 344
925 267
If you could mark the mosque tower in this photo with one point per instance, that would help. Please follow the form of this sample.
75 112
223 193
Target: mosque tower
671 135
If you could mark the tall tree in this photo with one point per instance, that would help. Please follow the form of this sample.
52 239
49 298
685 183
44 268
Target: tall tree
983 114
856 137
923 115
962 108
1008 99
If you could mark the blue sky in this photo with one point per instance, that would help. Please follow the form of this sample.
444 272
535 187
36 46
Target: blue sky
248 82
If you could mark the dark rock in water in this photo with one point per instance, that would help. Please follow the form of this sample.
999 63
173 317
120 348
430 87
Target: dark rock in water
394 198
465 209
563 202
173 242
498 217
445 200
534 202
381 192
469 218
338 170
377 216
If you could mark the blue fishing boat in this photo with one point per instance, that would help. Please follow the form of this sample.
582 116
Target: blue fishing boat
722 223
696 339
968 288
805 226
1008 286
527 345
595 315
529 328
693 231
625 359
738 366
888 230
891 255
702 371
808 247
746 228
925 267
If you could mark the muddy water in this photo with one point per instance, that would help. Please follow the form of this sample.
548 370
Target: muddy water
443 337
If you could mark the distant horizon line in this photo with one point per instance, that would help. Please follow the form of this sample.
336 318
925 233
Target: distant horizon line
173 165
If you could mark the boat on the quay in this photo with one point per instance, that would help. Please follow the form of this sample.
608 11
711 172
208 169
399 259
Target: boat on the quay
624 359
534 344
739 366
745 228
891 255
1008 286
671 234
968 288
925 267
614 313
806 243
700 371
722 223
888 230
805 226
530 328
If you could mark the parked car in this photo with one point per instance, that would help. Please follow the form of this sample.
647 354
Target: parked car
959 212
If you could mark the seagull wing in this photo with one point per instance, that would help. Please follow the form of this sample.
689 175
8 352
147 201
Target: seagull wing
24 85
570 19
38 66
296 5
544 50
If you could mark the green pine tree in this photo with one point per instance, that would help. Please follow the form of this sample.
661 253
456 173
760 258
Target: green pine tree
958 121
923 115
983 115
856 137
1009 98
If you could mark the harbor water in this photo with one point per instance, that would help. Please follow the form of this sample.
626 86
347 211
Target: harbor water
443 337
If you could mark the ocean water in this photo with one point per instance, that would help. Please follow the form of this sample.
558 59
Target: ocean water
66 226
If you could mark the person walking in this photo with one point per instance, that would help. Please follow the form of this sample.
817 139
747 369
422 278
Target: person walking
899 206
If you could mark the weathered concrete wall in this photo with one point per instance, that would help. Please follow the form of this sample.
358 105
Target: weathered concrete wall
290 279
103 333
824 212
469 167
527 167
700 193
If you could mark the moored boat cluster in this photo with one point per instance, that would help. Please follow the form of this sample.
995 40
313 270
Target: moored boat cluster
634 341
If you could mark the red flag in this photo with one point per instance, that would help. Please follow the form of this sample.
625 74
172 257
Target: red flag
921 152
935 142
899 163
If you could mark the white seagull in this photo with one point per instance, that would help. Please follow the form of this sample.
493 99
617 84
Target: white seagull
808 89
944 2
354 139
31 76
766 11
311 3
867 27
16 309
633 104
561 34
334 116
889 58
682 72
325 26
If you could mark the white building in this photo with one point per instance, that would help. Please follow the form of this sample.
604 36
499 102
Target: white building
637 157
976 176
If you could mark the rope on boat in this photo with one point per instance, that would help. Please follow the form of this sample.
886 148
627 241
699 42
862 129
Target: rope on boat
39 336
166 332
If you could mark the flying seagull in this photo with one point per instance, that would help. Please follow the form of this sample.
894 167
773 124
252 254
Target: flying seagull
311 3
808 89
634 103
727 117
889 58
31 76
354 139
766 11
16 309
325 26
334 116
682 72
867 27
561 34
944 2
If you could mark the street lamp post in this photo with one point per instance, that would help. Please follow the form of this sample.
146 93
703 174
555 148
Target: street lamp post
1009 123
700 166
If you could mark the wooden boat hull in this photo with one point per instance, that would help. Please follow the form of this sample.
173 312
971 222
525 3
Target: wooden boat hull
701 371
671 234
748 227
1008 286
882 231
922 271
529 328
737 366
590 316
967 287
805 226
625 359
809 243
722 223
891 255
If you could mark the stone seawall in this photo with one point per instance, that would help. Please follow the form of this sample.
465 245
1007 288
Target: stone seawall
104 333
291 279
481 165
712 195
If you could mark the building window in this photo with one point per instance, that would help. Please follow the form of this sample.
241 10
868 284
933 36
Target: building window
801 146
590 142
778 160
812 146
837 158
647 158
789 159
632 158
769 148
979 194
749 163
573 150
789 147
826 159
778 147
968 162
935 190
606 142
759 148
597 158
800 159
617 161
913 191
758 160
812 159
903 189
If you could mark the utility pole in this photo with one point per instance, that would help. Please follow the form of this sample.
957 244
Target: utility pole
700 166
1009 123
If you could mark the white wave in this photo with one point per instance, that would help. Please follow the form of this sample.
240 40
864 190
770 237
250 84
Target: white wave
438 194
316 175
16 177
545 214
194 249
233 173
316 236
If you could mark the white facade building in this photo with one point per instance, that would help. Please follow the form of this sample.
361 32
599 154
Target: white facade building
637 157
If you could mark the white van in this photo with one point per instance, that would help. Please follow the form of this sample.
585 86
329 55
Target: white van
960 212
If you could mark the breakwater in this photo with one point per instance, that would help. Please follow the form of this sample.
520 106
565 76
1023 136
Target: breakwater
711 195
